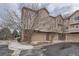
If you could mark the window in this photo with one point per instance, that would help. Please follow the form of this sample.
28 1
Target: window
76 26
77 18
72 26
66 27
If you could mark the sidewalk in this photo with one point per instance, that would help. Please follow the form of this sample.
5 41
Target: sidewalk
3 42
15 45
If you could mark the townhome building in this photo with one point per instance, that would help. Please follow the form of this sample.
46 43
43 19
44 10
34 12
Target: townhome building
46 28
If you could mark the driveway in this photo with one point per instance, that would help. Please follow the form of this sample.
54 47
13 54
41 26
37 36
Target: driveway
62 49
4 51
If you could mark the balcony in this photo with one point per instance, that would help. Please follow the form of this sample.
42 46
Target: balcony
72 30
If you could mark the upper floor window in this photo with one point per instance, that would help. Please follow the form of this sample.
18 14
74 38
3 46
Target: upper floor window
76 26
77 18
72 26
66 27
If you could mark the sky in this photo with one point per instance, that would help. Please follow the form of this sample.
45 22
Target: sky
54 9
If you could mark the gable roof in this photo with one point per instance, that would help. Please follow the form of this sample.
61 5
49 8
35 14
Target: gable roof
52 17
47 26
75 12
35 10
28 9
72 14
60 17
43 9
48 12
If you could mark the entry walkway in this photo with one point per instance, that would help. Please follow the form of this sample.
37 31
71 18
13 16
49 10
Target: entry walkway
3 42
15 45
18 47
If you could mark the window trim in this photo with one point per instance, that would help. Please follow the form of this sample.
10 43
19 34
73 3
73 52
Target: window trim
77 18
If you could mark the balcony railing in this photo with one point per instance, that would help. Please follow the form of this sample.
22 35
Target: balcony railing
73 30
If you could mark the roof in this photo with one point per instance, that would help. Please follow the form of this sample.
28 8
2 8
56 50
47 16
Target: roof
40 31
72 14
48 12
60 16
43 9
74 32
28 9
45 24
35 10
75 24
52 17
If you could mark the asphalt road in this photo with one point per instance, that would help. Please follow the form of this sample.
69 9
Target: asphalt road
33 52
62 49
4 51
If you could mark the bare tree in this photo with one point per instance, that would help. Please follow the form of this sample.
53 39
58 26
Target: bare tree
30 20
11 20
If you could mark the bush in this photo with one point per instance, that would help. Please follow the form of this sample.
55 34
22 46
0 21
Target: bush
15 33
5 34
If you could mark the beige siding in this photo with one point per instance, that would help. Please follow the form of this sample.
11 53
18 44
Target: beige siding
72 18
55 37
50 24
43 13
74 37
66 25
39 37
72 24
28 18
50 37
59 24
42 37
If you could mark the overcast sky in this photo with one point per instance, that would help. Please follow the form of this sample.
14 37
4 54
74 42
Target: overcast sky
54 9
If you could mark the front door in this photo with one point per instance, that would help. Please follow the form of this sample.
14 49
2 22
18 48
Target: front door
47 36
